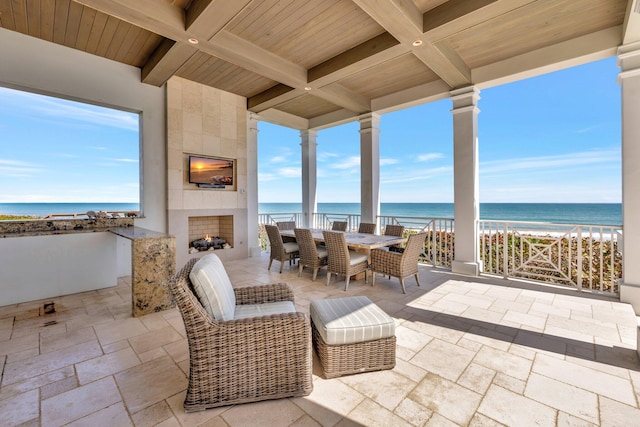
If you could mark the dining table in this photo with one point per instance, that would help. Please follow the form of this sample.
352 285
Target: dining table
361 242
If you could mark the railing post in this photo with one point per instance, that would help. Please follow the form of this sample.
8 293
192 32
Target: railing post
505 251
579 278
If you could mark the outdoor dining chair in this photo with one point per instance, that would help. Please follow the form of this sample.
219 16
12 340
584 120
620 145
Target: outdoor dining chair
397 231
311 255
286 225
342 261
367 228
280 250
339 226
396 264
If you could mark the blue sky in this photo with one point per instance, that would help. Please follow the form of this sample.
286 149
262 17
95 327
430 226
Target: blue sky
552 138
56 151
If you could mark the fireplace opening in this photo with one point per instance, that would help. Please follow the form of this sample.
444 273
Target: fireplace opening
207 233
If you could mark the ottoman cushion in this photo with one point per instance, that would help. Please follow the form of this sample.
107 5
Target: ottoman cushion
350 320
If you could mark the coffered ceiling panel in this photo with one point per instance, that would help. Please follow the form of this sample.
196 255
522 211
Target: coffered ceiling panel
305 59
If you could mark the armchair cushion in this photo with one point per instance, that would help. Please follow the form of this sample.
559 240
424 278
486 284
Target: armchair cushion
247 311
213 287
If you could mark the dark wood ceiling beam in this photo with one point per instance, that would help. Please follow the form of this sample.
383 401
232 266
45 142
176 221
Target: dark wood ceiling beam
272 97
405 22
372 52
207 17
457 15
165 61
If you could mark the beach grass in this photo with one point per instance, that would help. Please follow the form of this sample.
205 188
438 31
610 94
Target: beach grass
4 217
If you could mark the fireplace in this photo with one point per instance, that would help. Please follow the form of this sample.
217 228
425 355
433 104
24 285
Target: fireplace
210 232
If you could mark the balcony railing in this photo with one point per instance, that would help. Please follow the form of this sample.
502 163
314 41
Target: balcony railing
586 257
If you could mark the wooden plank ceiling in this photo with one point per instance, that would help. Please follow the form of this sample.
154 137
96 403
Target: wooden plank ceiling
318 61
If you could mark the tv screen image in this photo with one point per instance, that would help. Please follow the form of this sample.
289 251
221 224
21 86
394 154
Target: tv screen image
210 171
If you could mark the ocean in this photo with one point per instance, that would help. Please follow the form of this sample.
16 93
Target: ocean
43 209
564 213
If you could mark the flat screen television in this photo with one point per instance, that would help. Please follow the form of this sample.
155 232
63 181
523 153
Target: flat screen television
210 172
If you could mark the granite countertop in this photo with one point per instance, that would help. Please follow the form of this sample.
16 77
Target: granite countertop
133 233
29 228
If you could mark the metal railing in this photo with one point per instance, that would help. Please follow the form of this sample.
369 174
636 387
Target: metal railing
273 218
325 220
586 257
438 246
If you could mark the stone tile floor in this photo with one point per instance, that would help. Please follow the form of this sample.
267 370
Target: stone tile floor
470 351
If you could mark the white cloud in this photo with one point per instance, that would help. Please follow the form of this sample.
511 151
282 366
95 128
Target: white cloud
265 177
324 156
550 162
123 160
388 161
428 156
18 169
348 163
278 159
290 172
72 111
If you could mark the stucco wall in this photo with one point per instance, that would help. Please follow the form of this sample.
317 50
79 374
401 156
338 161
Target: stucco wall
205 121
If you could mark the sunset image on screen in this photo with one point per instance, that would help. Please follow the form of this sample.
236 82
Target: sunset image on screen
211 171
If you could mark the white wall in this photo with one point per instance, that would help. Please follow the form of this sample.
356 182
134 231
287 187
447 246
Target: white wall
43 67
40 267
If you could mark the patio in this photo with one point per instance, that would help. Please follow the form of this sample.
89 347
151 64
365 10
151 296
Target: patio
471 351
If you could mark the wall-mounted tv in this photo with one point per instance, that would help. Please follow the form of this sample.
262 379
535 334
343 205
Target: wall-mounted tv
210 172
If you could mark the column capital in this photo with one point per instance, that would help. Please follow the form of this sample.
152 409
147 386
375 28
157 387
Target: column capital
465 98
369 120
252 122
629 61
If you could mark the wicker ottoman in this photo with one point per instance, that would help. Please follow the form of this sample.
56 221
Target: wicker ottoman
352 335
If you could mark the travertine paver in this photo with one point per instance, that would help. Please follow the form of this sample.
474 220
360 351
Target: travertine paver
565 397
470 352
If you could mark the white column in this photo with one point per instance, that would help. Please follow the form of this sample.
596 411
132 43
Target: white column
629 78
252 184
309 176
369 167
465 181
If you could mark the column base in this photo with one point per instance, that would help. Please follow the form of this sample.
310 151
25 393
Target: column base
467 268
255 251
630 293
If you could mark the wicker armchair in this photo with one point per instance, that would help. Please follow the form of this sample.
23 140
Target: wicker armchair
342 261
310 255
366 227
399 265
244 360
282 251
339 226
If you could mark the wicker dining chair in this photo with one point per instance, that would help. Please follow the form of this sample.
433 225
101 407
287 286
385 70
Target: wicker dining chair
339 226
310 255
397 231
367 228
286 225
282 251
396 264
342 261
244 360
